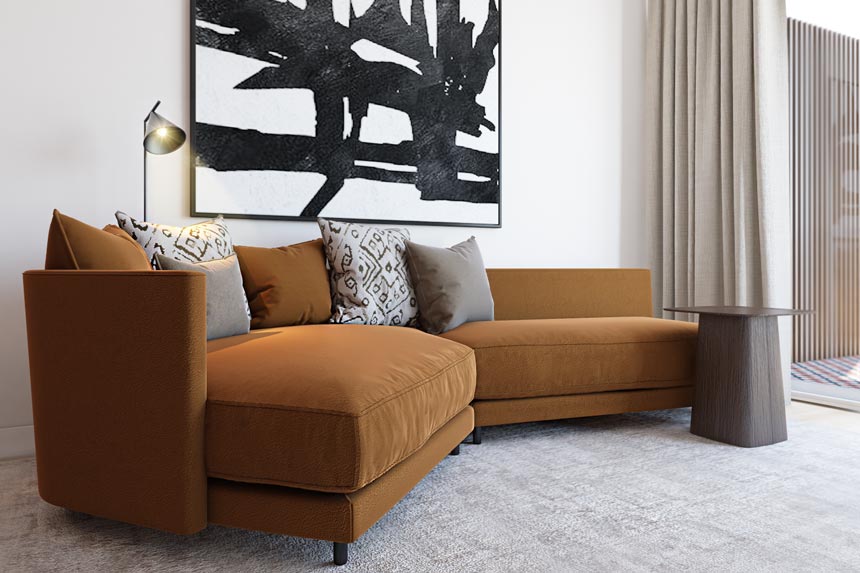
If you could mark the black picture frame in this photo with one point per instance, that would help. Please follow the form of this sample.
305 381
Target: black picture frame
195 212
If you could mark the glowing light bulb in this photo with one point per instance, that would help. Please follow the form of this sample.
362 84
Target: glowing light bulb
162 132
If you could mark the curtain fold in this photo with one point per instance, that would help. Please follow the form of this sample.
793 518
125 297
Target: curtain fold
717 152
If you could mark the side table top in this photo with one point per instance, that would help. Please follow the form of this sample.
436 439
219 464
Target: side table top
737 310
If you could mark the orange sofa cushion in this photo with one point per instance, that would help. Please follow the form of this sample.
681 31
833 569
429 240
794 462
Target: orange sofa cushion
329 407
528 358
286 286
73 245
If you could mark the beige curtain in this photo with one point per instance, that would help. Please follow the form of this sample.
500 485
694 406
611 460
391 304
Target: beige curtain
717 152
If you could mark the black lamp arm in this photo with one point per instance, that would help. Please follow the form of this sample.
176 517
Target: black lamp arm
144 168
155 107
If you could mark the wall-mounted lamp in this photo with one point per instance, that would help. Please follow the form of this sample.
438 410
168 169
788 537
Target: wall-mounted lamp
160 137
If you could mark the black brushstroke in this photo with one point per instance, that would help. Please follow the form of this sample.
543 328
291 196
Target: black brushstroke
250 150
440 102
233 149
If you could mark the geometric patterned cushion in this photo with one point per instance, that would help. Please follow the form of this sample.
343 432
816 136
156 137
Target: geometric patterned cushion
370 280
207 241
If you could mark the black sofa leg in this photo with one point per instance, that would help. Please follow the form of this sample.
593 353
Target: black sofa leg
455 451
341 553
476 435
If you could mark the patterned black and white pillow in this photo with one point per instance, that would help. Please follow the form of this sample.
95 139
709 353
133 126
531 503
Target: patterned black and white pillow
207 241
369 275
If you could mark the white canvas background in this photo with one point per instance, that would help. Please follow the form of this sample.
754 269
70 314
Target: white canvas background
292 111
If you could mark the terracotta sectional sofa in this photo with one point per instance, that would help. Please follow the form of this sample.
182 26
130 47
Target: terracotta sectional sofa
314 431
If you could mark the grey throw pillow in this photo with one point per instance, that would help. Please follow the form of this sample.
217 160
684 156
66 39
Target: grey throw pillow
451 285
369 277
226 304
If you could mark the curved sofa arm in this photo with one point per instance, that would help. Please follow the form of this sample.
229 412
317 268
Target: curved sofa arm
118 377
570 293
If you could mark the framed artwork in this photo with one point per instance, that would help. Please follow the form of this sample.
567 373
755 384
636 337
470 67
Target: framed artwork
361 110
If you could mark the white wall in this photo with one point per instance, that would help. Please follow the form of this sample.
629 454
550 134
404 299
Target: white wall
78 78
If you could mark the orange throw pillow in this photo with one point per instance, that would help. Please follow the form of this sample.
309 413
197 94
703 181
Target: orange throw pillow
114 230
73 245
287 286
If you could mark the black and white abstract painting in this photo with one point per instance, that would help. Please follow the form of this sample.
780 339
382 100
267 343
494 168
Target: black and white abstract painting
375 110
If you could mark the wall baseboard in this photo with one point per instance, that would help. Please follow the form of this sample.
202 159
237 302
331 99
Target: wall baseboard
17 442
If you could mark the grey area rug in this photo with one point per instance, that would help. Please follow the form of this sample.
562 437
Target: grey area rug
618 493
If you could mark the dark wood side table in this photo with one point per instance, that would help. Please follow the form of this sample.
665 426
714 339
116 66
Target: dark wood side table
739 397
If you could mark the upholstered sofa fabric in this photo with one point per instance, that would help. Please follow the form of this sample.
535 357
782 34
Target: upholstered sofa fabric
342 517
117 232
519 410
287 286
556 357
119 416
74 245
329 407
570 293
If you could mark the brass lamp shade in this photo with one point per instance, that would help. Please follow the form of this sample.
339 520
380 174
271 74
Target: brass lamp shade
160 135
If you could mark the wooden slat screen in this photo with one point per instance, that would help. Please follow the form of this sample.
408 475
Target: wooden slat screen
825 149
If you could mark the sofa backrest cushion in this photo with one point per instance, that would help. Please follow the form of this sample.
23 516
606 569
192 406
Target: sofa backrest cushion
522 294
73 245
287 286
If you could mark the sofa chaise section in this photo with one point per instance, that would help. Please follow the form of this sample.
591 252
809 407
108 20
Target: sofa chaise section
533 358
338 517
329 407
576 342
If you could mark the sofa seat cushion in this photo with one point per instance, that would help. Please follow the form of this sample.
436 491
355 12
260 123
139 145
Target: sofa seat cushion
558 357
328 407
